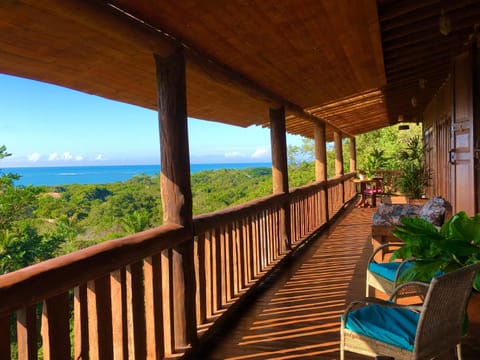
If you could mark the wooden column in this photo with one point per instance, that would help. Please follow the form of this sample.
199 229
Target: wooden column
353 154
280 169
176 193
337 138
321 162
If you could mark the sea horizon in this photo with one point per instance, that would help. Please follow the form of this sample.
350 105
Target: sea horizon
103 174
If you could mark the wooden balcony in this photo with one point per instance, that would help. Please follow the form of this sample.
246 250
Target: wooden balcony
120 299
124 298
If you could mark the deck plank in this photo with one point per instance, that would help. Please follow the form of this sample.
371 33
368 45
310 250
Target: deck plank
298 315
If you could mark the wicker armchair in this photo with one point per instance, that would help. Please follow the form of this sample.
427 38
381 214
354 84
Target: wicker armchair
382 274
385 328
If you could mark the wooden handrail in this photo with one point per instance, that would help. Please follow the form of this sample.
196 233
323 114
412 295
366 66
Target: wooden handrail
204 222
29 285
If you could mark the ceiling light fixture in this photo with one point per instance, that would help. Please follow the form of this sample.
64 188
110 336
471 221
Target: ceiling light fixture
444 24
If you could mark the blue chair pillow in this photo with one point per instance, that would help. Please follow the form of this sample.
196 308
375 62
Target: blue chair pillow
390 325
388 269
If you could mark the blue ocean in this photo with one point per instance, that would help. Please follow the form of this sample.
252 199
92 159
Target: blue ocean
103 174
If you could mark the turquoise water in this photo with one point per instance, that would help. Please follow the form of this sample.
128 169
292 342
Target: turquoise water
103 174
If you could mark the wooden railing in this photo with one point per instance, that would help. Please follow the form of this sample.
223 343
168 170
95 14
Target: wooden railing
117 299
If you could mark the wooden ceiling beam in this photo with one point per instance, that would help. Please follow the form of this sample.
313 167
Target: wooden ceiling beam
395 10
418 65
458 16
419 52
419 72
424 10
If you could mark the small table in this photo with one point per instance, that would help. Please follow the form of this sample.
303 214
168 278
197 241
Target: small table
363 185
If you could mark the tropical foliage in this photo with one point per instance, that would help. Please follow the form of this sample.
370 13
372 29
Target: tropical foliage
37 223
454 245
415 175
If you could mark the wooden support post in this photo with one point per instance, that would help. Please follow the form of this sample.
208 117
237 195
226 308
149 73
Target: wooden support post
321 162
339 171
353 154
176 191
280 169
337 137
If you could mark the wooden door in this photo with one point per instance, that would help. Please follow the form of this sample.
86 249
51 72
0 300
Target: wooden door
462 154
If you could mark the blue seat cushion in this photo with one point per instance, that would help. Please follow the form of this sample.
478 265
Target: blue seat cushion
390 325
388 269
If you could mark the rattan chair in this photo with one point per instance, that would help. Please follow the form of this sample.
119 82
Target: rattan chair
382 274
412 332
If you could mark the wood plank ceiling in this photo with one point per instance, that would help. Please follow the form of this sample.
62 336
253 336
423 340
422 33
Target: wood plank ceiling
322 59
419 40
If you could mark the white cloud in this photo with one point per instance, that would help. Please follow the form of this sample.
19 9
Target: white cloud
99 157
79 157
234 154
67 155
34 157
259 153
53 156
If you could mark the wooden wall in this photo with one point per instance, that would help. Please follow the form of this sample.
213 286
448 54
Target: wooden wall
437 139
451 135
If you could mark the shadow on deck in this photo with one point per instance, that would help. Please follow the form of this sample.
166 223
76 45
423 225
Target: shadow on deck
298 315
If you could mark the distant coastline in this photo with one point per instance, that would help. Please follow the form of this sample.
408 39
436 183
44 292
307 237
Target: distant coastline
51 176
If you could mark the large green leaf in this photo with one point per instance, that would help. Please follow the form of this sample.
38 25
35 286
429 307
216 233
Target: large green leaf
421 270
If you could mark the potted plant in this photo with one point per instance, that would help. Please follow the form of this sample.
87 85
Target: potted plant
415 176
454 245
362 174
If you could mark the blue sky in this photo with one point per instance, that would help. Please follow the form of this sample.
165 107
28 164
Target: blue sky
47 125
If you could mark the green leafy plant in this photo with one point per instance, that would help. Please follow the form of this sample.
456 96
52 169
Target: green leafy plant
454 245
415 175
376 160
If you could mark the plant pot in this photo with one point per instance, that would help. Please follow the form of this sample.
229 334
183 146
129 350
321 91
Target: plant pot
421 201
473 312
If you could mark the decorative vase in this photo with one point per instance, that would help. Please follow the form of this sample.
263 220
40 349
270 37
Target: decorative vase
473 312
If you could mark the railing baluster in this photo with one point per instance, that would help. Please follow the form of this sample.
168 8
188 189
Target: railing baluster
166 269
100 318
80 322
119 313
208 264
27 333
224 267
135 311
217 270
56 327
5 336
152 268
200 271
230 262
236 259
251 248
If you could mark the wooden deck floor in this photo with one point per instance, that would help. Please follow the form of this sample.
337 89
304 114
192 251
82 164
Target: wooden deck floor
298 315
